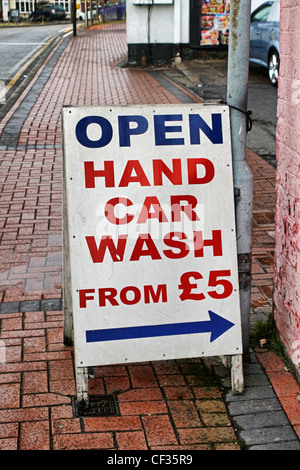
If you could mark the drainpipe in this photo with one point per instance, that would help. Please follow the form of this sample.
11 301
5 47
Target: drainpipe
86 14
237 96
74 17
177 25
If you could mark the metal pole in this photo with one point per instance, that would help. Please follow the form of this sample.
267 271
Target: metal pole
74 17
97 14
237 96
86 14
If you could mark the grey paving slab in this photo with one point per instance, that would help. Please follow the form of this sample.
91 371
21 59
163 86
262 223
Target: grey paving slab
257 415
262 436
261 420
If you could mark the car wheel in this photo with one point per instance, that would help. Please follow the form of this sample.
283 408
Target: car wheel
274 68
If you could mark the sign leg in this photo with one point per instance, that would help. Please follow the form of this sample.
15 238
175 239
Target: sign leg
67 297
67 282
68 327
82 386
237 376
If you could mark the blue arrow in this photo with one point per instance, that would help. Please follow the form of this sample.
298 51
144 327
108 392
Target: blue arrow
217 326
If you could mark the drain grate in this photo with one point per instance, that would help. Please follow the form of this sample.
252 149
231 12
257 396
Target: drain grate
99 405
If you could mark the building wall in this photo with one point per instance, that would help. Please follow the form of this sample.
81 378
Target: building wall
158 23
287 253
156 29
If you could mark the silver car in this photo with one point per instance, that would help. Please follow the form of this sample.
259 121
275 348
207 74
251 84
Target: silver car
264 38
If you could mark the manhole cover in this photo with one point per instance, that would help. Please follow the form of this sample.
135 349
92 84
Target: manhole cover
99 405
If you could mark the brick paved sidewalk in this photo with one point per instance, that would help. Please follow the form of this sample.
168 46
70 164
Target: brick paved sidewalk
162 405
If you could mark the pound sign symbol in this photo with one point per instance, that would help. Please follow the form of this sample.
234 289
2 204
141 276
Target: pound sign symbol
187 287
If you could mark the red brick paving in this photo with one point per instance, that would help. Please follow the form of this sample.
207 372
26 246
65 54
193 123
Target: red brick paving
164 405
285 386
284 383
263 244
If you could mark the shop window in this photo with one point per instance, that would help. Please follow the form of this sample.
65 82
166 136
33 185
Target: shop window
209 24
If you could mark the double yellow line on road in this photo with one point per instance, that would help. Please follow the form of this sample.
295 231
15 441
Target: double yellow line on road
16 77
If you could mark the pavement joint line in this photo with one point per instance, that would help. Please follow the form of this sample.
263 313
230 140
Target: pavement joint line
30 147
181 94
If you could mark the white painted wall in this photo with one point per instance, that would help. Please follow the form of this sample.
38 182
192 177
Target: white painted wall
168 23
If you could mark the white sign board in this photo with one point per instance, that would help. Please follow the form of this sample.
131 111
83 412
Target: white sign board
151 233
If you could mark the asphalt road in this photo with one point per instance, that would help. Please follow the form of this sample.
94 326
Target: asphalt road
21 48
18 45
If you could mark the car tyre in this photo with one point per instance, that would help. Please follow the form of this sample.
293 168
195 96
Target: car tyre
274 68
